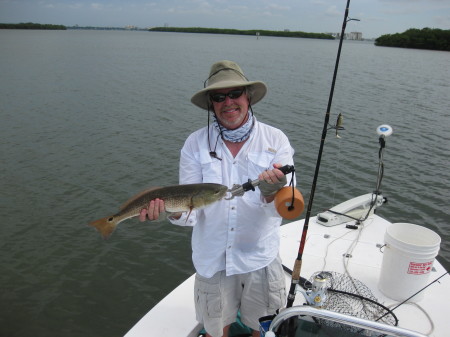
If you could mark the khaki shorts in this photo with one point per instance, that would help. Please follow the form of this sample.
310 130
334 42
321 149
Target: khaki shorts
255 294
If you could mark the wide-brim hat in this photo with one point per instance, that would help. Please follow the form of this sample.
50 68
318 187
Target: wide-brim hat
228 74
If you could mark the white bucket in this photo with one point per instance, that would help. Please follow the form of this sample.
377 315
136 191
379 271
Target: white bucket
407 260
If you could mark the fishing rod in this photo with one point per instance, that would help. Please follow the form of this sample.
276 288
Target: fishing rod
298 262
417 292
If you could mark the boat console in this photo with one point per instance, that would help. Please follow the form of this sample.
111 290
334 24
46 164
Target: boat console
353 209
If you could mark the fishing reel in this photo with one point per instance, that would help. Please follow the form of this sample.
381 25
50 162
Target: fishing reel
317 294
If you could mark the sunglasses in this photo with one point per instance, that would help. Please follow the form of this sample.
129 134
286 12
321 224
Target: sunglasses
233 94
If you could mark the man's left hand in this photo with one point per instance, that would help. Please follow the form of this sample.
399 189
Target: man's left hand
271 181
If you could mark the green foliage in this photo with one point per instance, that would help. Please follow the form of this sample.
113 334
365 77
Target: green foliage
242 32
427 38
31 25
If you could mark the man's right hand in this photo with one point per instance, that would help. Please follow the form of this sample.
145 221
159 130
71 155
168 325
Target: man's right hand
152 212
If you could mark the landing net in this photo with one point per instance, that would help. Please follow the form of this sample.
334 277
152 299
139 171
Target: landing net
347 295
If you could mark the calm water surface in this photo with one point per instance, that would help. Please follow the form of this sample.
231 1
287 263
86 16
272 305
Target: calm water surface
88 118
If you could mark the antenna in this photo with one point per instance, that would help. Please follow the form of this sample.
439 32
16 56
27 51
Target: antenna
384 130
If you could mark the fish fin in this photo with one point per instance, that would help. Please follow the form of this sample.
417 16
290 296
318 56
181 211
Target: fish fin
105 226
190 210
191 207
135 197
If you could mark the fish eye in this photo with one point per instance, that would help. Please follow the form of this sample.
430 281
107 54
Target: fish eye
111 219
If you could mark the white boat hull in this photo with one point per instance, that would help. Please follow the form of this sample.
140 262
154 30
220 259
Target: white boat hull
327 248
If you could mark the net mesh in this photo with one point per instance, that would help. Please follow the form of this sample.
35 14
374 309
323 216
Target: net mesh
347 295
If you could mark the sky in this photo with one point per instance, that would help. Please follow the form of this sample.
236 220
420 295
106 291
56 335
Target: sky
378 17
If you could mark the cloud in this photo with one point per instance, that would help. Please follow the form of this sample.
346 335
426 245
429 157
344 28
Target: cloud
75 5
278 7
333 11
96 6
377 16
443 20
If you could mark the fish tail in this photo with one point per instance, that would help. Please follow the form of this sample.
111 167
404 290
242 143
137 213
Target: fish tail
105 226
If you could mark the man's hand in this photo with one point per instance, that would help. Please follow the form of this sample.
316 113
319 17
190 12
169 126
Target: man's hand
271 181
153 211
156 211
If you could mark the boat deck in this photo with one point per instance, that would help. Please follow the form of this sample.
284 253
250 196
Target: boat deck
327 248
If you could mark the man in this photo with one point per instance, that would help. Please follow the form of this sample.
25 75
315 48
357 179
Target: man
235 242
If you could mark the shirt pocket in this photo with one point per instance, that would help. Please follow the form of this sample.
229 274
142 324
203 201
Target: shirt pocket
257 163
211 168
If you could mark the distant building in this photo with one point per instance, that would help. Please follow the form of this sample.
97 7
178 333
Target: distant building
337 35
348 36
355 36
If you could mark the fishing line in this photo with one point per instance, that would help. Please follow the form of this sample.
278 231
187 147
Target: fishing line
417 292
430 320
380 175
298 261
406 301
336 170
328 247
338 126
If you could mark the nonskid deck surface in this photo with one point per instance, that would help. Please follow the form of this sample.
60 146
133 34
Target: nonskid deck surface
337 249
360 254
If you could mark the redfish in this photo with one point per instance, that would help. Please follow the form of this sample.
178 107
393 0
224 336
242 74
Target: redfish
177 198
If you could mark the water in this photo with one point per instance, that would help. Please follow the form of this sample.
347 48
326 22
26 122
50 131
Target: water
88 118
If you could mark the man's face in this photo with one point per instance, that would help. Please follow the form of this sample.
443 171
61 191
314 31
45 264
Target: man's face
231 111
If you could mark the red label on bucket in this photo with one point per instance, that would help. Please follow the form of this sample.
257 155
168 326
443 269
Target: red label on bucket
420 268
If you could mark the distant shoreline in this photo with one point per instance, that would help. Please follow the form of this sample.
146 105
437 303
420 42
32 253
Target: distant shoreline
30 25
431 39
252 32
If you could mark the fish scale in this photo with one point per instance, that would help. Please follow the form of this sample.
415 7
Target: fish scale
177 198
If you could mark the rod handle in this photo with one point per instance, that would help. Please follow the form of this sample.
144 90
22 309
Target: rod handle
286 169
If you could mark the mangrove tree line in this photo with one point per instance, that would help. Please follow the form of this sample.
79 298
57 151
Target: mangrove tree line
426 38
31 25
242 32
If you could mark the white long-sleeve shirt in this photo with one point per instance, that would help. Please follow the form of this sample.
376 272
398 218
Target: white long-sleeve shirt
239 235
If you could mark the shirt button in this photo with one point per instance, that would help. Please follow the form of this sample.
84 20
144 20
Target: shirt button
232 229
233 208
229 247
